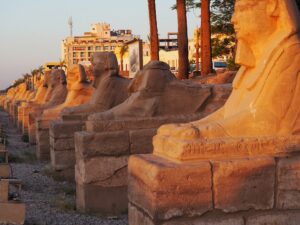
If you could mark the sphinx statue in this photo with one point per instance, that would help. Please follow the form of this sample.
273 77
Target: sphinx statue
111 88
79 91
41 90
55 95
265 98
155 92
222 163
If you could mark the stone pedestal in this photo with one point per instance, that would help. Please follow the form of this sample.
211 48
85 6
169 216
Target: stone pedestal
20 117
34 114
102 156
25 119
42 139
62 147
234 181
4 166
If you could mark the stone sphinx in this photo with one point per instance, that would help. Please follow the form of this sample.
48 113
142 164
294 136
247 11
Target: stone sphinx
32 97
9 96
106 81
268 52
245 156
20 96
42 85
40 89
102 151
110 90
79 92
55 95
154 92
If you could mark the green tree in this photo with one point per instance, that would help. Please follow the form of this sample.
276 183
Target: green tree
220 19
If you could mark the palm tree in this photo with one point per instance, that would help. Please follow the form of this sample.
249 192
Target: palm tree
123 50
183 53
206 60
154 45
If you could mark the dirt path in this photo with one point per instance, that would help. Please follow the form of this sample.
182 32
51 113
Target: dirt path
48 200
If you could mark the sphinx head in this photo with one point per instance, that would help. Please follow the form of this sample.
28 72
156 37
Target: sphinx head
104 63
47 79
260 23
76 75
57 77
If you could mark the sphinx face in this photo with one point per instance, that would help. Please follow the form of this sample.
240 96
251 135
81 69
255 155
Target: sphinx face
73 77
98 69
47 79
253 19
39 82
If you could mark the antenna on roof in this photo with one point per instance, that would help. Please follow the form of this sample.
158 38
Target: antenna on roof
70 22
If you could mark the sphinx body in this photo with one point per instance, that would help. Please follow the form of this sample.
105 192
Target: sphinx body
265 99
156 92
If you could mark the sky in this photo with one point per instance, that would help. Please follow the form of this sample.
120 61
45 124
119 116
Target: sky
31 31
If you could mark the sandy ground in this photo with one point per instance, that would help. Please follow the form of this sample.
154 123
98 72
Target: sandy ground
48 199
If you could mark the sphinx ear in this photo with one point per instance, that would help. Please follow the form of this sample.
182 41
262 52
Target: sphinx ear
272 7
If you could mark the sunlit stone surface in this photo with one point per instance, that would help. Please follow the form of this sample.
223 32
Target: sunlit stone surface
248 145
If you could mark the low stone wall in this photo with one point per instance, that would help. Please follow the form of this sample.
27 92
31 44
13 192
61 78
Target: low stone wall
260 189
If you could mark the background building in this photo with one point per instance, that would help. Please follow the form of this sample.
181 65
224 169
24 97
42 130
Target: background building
79 49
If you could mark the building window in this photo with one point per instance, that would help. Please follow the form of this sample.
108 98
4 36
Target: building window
78 48
82 54
106 48
98 48
74 54
74 61
90 48
112 48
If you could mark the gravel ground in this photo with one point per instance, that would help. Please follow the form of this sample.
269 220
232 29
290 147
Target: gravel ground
48 200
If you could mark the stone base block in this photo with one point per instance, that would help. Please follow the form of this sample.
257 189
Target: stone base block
61 160
101 200
42 144
165 189
13 213
288 172
4 170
